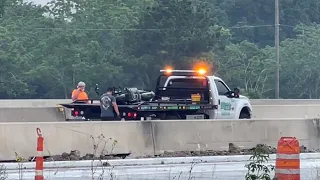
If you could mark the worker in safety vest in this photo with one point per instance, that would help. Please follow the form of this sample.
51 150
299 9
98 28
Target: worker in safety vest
79 94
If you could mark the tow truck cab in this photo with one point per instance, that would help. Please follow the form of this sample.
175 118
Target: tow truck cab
179 94
228 104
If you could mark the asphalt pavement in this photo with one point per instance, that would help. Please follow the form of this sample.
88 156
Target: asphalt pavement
310 170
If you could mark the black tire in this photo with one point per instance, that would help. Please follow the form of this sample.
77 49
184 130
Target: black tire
244 116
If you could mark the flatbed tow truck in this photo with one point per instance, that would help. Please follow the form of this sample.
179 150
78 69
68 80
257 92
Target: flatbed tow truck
179 94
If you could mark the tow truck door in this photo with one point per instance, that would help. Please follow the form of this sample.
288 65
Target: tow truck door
226 109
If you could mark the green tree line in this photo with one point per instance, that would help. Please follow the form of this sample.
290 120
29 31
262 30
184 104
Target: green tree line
46 50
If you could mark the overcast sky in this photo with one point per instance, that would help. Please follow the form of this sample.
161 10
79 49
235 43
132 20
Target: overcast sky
42 2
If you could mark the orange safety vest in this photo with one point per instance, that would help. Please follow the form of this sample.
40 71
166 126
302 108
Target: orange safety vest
82 96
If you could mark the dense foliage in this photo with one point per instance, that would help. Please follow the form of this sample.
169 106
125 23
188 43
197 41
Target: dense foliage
46 50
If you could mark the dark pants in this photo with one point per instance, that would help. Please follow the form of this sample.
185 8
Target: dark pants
111 118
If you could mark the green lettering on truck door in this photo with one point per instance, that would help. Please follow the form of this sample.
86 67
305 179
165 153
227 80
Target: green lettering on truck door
225 106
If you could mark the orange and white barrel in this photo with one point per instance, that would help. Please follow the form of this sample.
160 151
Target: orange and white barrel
39 157
288 159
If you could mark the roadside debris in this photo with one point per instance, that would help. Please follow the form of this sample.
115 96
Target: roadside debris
74 155
233 149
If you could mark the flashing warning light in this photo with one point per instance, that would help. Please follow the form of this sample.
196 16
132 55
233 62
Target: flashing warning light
76 113
202 71
202 67
168 70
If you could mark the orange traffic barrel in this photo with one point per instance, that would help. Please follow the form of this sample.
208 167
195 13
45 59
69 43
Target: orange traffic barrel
288 159
39 158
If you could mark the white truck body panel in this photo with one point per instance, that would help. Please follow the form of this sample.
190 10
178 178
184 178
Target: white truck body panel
228 107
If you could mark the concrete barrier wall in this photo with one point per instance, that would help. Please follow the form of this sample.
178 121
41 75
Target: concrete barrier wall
52 114
151 137
286 111
66 136
32 114
215 135
285 101
32 103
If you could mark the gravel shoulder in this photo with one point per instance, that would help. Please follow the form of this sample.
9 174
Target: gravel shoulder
232 150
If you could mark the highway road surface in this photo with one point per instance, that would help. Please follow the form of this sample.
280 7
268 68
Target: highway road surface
310 170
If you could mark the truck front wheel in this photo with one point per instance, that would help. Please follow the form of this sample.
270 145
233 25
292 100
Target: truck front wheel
244 114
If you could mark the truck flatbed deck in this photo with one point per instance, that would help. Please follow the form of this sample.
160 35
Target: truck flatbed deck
151 107
136 111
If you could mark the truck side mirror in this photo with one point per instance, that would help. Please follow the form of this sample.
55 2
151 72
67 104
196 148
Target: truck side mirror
96 89
236 92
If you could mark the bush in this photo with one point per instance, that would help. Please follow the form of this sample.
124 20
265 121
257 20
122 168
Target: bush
256 168
3 172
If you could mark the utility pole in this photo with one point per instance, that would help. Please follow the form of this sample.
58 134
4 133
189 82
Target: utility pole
277 74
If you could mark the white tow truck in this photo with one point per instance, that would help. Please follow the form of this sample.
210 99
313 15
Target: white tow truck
229 104
179 94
